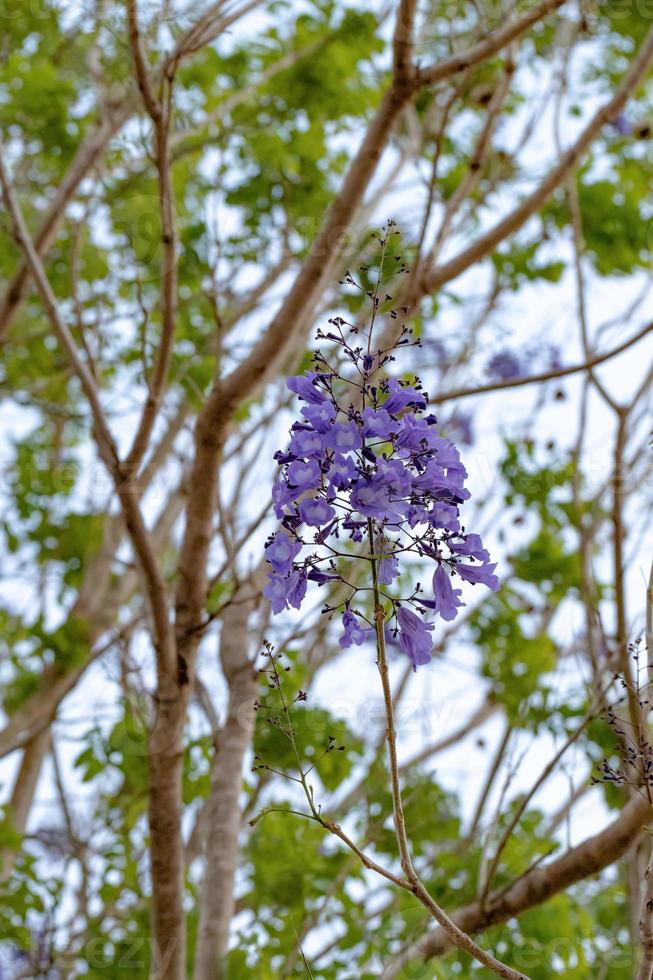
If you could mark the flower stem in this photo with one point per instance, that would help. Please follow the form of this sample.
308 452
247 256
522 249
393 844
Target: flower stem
391 731
458 937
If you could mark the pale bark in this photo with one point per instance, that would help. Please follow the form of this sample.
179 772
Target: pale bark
224 814
22 795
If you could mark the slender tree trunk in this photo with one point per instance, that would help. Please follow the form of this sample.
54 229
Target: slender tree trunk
224 811
22 795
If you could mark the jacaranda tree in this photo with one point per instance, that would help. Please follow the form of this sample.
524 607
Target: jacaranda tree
325 519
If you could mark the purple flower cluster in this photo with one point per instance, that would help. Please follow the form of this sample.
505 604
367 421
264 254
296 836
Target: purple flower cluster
505 366
368 477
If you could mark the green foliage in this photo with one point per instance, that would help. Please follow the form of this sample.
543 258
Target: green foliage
314 729
265 123
517 266
515 656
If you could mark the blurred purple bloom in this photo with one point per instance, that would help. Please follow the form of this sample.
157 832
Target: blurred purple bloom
461 427
622 125
555 358
504 366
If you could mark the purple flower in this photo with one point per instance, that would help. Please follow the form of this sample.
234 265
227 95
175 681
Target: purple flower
400 397
388 569
281 552
437 484
469 545
353 632
377 424
287 591
504 366
479 574
622 125
416 434
414 637
371 498
341 472
281 497
307 443
375 475
297 588
445 516
344 437
555 358
304 475
461 427
448 455
315 575
393 474
416 515
315 511
303 385
447 600
320 416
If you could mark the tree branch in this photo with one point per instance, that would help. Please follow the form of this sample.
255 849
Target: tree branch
530 379
103 437
435 277
161 115
85 159
537 885
486 48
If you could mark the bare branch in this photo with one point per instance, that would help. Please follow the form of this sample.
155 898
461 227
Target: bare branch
87 156
22 795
